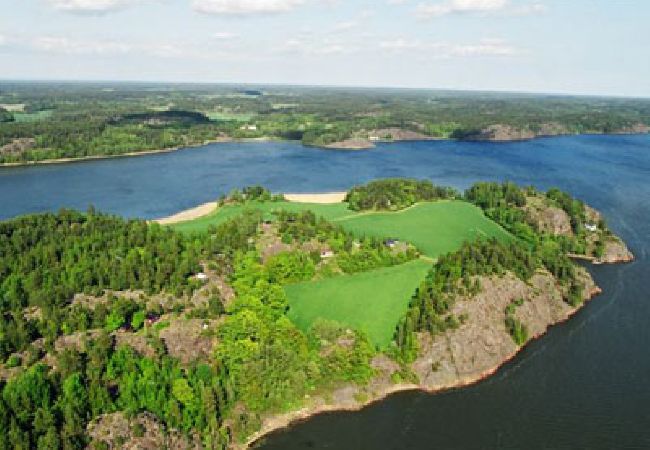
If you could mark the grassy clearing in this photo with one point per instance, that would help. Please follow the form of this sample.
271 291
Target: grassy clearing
235 117
372 302
434 228
220 215
32 117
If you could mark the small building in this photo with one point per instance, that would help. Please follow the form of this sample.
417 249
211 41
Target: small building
249 127
391 243
201 276
326 254
591 227
151 319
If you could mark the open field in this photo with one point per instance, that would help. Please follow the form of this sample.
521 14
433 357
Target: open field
32 117
236 117
372 302
220 215
434 228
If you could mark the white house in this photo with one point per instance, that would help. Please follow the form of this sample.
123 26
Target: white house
591 227
325 254
201 276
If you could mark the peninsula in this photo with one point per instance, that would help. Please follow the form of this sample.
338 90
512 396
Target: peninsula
244 315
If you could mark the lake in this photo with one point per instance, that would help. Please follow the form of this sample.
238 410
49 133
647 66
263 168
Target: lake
583 385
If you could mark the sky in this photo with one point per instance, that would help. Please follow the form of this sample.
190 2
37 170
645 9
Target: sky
599 47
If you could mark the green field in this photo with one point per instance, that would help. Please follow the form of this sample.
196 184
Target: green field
32 117
235 117
372 302
330 212
434 228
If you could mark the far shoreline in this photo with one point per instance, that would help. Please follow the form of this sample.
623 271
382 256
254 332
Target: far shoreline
328 147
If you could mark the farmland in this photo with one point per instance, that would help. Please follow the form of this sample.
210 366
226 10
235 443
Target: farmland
372 302
434 228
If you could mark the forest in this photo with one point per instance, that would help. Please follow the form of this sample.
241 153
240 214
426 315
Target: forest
396 193
40 121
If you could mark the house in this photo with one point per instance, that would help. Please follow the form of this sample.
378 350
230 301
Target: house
248 127
325 254
201 276
391 243
591 227
151 319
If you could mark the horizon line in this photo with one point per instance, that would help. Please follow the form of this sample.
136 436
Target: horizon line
327 86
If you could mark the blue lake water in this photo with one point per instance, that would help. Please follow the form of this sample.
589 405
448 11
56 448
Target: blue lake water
586 384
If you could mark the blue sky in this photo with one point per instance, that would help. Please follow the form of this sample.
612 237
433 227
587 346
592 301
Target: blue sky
560 46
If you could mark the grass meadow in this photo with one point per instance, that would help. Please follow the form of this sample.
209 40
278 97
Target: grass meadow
372 302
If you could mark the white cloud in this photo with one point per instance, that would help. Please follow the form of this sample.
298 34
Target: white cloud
90 47
57 44
344 26
91 6
317 47
245 7
443 8
3 40
225 35
485 47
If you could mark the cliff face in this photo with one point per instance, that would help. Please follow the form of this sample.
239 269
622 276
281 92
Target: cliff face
480 345
547 218
501 132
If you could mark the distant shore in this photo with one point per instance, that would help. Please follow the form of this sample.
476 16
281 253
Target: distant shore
350 144
134 153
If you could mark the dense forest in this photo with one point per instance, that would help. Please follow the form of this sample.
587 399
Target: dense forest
41 121
396 193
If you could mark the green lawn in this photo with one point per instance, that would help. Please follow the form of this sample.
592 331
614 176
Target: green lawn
330 212
434 228
32 117
236 117
371 301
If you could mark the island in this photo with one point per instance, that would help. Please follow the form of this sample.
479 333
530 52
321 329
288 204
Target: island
217 326
51 122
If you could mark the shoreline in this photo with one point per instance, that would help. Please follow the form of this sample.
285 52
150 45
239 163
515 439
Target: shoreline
133 153
271 138
287 420
204 209
188 214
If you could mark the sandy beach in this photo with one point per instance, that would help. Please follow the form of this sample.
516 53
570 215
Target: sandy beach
189 214
322 198
207 208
